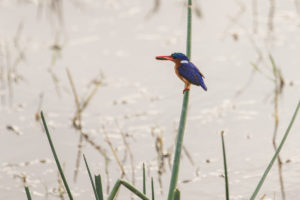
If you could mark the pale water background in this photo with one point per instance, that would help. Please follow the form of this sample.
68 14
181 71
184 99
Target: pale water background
142 96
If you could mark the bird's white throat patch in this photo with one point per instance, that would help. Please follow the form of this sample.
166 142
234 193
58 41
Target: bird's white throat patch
184 61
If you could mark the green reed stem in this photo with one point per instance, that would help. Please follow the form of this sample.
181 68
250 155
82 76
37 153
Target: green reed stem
27 193
261 181
144 179
189 30
152 189
225 167
98 184
176 162
56 158
177 194
179 140
128 186
91 179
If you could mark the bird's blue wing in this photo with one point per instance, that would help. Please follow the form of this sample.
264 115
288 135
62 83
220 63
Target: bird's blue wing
191 73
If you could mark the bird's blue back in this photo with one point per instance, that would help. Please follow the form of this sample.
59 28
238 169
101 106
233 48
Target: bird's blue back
191 73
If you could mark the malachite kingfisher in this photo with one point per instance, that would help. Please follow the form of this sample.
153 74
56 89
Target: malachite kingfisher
185 70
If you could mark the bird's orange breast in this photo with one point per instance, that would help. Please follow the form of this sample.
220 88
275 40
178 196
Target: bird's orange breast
177 65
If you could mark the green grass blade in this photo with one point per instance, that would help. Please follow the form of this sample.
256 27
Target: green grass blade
261 181
56 158
27 193
152 189
189 30
129 187
144 179
134 190
225 167
176 162
98 184
114 191
179 140
91 179
177 194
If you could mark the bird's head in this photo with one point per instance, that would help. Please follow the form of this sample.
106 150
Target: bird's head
175 57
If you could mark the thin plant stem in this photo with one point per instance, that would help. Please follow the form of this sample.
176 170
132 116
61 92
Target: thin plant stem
128 186
144 179
99 189
189 30
73 89
152 189
91 179
79 153
27 193
177 194
176 162
60 187
276 75
175 168
188 155
76 123
271 15
225 167
37 114
160 159
127 146
56 158
262 197
90 96
261 181
114 152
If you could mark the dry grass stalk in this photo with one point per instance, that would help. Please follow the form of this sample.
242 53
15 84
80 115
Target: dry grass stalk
114 152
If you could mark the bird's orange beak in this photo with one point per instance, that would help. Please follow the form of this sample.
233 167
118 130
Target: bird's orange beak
164 58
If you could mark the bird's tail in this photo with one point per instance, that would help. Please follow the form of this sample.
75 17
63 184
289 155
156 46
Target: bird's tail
202 84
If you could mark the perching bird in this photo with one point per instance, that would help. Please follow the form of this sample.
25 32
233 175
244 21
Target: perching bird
185 70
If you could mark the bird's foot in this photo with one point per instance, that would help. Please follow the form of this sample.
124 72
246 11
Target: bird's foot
185 89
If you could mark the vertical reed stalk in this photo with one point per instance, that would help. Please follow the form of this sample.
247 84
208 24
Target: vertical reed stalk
98 185
225 166
177 195
152 189
27 193
261 181
91 179
189 30
179 140
144 179
56 158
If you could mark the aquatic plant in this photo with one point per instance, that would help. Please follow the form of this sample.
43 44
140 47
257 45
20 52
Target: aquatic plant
174 193
179 139
56 158
275 156
225 167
